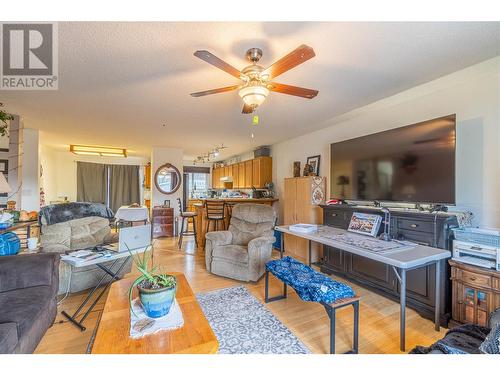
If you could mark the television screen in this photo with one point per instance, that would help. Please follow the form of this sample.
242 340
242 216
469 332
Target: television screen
414 163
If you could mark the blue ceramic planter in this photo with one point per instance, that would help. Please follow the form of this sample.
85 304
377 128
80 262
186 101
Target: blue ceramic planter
157 303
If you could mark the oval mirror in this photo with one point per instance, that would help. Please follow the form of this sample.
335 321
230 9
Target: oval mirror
167 179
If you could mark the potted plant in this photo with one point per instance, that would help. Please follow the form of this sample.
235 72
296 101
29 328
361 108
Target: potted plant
4 117
156 289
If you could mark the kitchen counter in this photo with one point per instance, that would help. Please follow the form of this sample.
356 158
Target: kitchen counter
201 217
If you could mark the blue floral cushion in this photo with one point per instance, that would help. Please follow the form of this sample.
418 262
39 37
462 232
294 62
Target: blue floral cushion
309 284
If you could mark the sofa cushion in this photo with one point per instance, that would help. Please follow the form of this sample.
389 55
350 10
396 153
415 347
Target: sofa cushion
76 234
8 337
249 221
33 310
233 253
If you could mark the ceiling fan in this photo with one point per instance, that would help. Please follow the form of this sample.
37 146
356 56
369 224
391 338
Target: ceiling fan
256 80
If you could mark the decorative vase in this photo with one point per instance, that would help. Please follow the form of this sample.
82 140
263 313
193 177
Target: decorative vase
157 302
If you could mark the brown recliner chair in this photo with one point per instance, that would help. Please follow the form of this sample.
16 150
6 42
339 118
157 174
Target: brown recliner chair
242 251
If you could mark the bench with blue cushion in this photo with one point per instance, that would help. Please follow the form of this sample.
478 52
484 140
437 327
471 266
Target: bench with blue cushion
314 286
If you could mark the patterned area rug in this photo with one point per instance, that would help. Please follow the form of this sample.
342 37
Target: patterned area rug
243 325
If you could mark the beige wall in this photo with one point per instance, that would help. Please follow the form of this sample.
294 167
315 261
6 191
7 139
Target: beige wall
473 94
59 171
160 156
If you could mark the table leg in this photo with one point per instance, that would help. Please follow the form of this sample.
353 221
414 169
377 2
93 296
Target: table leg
437 294
107 272
402 316
309 241
282 245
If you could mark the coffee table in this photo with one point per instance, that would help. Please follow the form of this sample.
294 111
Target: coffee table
194 337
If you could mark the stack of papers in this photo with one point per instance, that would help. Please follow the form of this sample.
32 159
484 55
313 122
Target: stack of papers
81 256
303 228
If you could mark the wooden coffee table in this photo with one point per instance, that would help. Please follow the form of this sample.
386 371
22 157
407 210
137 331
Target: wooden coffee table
194 337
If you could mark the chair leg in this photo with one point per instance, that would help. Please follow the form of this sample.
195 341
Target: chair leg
182 233
194 232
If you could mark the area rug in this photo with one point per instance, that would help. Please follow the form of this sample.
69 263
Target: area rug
243 325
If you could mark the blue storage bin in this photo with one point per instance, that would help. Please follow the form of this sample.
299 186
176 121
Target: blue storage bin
9 243
277 243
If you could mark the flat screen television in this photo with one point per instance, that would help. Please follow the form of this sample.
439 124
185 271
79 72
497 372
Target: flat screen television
414 163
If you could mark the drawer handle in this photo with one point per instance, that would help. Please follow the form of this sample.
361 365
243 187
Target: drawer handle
476 248
334 215
473 278
414 225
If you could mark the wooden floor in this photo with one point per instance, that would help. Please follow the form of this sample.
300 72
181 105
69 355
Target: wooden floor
379 316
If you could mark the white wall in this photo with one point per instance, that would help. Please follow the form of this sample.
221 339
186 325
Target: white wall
160 156
59 171
473 94
30 190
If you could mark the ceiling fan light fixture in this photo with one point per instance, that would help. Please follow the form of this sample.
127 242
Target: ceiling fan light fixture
254 95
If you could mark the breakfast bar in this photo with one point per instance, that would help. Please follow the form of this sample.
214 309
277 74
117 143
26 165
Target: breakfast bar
201 217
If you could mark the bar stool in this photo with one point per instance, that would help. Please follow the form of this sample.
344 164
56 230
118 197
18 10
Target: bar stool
186 215
215 213
229 209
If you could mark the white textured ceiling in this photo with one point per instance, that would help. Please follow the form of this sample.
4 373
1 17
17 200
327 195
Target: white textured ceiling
120 82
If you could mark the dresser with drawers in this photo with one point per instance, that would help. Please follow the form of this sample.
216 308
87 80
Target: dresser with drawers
163 222
431 229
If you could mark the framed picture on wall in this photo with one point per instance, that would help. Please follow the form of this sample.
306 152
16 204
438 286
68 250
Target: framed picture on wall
313 161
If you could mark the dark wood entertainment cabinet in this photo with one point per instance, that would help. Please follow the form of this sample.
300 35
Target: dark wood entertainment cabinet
431 229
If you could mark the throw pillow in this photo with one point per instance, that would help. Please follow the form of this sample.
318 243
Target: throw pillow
491 345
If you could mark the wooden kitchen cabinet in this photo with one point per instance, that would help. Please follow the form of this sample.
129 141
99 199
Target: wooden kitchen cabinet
147 176
216 178
235 174
248 174
262 171
241 175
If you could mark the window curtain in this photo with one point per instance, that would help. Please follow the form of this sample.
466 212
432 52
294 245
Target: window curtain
91 182
124 185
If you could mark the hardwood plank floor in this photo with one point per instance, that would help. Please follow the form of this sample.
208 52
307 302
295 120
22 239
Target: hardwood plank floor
379 316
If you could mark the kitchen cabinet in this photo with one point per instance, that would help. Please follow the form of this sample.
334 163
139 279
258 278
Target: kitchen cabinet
248 174
235 174
216 175
241 175
262 171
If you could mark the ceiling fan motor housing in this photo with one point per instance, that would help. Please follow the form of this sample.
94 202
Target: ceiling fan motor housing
254 54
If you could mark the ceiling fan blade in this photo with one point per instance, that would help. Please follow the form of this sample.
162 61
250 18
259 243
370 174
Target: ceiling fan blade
214 91
292 90
294 58
247 109
215 61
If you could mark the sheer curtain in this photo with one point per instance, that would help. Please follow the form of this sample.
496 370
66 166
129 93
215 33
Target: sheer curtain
91 182
124 185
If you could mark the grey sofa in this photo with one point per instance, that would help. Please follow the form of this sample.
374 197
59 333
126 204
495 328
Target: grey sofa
28 300
66 232
242 251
